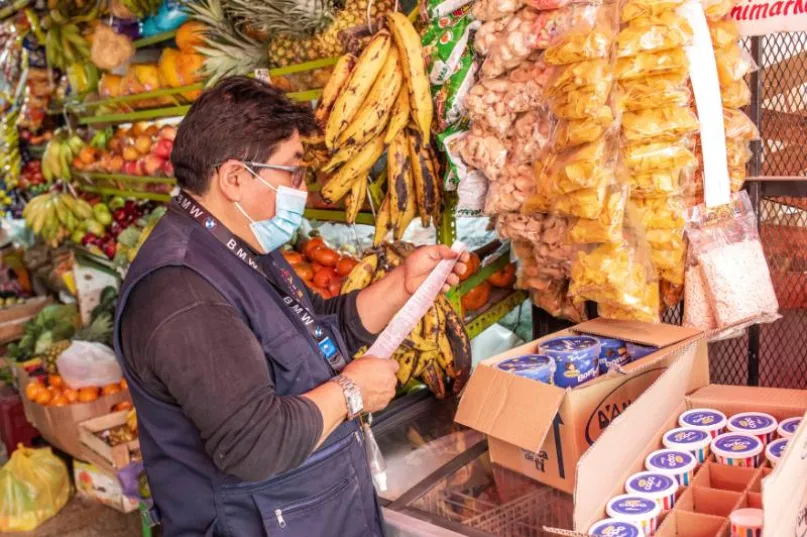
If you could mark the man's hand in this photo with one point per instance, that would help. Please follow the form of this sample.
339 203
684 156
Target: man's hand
376 380
422 261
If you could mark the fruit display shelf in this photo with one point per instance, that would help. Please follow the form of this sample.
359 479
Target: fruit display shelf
93 176
492 314
154 39
93 189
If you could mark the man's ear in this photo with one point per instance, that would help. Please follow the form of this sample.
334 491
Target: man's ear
229 178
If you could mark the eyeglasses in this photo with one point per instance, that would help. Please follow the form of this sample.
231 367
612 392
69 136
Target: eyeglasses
297 172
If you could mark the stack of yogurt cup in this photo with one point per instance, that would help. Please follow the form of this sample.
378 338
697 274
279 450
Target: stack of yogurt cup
738 441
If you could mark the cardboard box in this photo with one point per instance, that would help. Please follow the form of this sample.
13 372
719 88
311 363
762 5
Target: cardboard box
541 431
622 449
118 456
59 425
13 318
95 483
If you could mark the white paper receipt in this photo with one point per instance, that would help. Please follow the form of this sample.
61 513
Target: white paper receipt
415 308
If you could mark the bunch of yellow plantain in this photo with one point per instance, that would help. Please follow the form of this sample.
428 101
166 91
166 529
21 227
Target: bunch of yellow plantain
438 350
366 104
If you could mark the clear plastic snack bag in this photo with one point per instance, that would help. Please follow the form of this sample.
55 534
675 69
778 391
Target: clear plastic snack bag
492 10
572 133
556 301
658 156
608 227
653 92
733 64
512 188
580 103
724 33
736 94
530 136
666 62
725 244
634 9
654 33
663 124
484 150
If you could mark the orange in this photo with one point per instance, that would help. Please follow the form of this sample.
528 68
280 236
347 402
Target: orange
44 397
59 400
33 389
55 381
110 389
87 395
70 394
190 36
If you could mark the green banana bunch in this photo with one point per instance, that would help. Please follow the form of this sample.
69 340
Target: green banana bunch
54 216
59 155
10 157
64 44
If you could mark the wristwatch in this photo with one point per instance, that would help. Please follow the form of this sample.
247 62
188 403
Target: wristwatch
355 404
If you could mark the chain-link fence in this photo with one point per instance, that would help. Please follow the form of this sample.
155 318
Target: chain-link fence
776 354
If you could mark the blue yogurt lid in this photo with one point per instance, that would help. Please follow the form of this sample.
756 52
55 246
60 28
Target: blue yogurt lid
778 447
615 528
737 444
533 366
686 436
632 506
704 418
671 459
569 344
651 482
753 421
791 425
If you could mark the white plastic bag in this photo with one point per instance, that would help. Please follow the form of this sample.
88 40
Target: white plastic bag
86 364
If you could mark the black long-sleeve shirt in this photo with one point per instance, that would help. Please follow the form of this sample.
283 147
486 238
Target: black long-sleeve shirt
186 345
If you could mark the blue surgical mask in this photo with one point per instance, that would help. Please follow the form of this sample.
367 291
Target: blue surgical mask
273 233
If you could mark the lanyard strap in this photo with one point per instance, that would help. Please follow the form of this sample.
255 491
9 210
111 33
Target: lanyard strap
326 344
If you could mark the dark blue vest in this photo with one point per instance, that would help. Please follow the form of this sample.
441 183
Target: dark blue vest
331 494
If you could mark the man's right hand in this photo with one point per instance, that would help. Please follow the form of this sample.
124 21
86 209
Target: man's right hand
376 380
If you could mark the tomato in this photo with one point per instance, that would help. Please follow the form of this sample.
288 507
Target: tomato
325 256
316 267
324 277
312 243
323 292
503 277
292 257
345 265
470 267
123 405
304 271
335 286
476 297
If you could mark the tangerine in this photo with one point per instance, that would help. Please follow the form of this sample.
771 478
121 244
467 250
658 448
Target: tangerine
59 400
70 394
88 394
55 381
110 389
43 397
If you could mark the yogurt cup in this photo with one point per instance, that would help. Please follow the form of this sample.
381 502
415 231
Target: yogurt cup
705 419
632 508
763 426
746 523
775 450
787 428
612 353
737 449
611 527
531 366
655 486
575 359
637 352
675 463
695 441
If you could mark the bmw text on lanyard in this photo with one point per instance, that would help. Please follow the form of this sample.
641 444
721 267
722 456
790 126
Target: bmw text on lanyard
328 349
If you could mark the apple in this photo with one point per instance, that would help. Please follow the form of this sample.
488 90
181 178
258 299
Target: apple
163 148
78 237
143 144
119 215
168 132
168 168
130 167
153 165
115 228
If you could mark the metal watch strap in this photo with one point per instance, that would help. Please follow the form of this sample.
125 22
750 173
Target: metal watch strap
352 395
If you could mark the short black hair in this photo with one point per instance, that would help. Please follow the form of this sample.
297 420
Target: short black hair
238 118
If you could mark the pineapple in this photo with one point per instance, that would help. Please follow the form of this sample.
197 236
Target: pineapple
52 354
99 330
228 50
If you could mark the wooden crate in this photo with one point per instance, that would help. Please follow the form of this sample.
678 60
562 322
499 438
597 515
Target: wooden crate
13 318
119 455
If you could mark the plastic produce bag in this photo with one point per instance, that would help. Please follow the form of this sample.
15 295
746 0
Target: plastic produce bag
608 227
484 150
738 126
34 486
580 103
491 10
666 124
529 136
724 33
667 62
580 44
510 192
655 184
586 166
567 78
88 364
582 203
665 31
653 92
725 244
717 9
